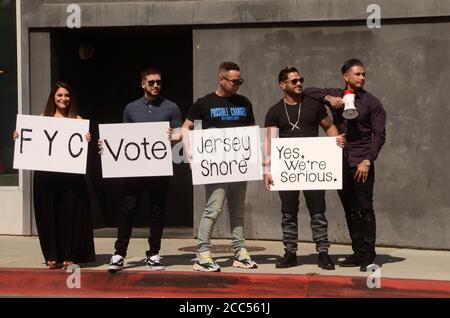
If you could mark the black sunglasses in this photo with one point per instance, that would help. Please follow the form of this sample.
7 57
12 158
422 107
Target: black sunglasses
151 83
236 82
296 80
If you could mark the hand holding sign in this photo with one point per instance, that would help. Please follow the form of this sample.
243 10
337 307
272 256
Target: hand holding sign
135 150
225 155
312 163
50 144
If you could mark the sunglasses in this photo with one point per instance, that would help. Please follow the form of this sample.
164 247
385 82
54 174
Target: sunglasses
236 82
151 83
296 80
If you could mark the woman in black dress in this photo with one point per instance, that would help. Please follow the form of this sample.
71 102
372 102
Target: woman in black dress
61 202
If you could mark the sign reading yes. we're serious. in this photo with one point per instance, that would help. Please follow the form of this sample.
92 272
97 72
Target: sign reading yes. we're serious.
136 150
313 163
225 155
51 144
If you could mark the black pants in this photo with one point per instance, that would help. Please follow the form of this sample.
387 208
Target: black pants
357 200
315 201
156 187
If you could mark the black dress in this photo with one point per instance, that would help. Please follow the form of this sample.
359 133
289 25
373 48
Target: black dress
63 217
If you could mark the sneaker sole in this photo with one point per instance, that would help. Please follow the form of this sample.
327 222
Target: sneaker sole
199 268
114 269
238 264
364 268
349 265
328 268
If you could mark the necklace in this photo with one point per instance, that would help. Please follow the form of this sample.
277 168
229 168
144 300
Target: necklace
294 126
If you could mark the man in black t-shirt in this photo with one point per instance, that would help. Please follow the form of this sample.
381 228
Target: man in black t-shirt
296 115
222 109
216 111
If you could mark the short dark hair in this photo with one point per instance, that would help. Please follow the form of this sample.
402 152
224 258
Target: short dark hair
228 66
349 64
283 75
150 70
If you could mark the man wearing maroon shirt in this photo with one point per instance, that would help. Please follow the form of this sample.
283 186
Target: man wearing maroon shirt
365 135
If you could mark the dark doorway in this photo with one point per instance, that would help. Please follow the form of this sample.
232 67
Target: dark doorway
103 65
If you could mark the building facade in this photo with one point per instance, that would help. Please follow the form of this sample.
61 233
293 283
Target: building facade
406 60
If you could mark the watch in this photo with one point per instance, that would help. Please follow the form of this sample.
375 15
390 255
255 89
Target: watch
366 162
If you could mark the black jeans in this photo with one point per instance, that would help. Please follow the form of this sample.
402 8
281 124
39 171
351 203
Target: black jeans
156 187
357 200
315 201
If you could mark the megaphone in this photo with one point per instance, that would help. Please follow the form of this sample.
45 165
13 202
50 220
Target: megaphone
350 111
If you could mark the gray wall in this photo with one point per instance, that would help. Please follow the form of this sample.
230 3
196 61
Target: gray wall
44 13
407 68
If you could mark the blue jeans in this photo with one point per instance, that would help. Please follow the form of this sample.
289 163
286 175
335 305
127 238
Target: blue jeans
216 193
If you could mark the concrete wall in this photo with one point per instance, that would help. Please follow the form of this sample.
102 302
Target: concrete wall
11 212
407 66
44 13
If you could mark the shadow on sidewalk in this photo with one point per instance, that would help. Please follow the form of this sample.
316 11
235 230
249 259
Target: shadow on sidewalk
100 260
227 260
381 259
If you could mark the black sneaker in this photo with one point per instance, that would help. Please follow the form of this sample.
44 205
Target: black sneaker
288 260
116 264
154 263
350 261
367 262
325 261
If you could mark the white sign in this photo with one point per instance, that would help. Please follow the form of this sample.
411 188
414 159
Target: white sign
312 163
136 150
225 155
51 144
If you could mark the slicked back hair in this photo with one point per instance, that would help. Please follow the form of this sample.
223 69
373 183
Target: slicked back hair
284 73
349 64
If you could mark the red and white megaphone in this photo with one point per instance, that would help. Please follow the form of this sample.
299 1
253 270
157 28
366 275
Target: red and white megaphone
350 111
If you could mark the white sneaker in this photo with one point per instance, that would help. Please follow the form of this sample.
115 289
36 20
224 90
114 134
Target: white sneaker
154 263
242 260
116 264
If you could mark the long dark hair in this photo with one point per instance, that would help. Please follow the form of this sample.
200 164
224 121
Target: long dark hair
50 109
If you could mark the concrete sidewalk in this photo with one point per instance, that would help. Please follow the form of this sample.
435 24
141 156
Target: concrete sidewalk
178 255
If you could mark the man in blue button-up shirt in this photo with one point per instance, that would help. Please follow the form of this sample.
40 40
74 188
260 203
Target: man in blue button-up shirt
150 108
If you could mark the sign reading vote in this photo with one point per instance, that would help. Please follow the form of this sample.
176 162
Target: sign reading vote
306 164
51 144
225 155
136 150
